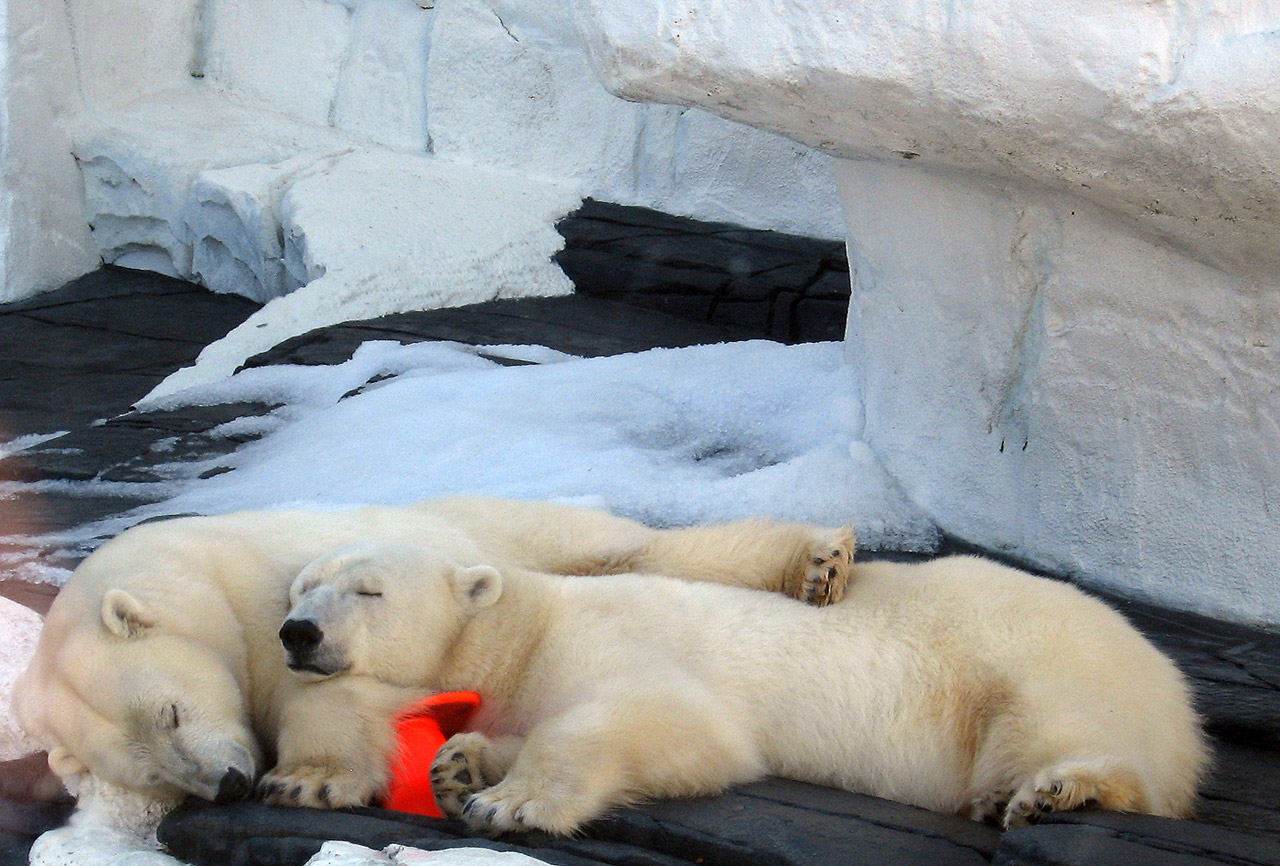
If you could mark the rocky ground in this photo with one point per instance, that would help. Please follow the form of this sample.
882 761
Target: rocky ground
86 352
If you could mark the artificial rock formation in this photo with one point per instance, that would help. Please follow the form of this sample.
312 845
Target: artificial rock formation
1064 233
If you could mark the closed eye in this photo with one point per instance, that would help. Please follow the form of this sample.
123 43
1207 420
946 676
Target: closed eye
170 716
368 593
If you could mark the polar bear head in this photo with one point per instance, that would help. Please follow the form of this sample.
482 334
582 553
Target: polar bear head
136 704
389 611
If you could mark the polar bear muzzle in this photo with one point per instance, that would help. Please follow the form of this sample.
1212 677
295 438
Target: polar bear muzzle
304 647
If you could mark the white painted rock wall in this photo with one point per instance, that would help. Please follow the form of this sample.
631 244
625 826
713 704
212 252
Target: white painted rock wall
1047 382
1165 112
44 238
509 84
1064 223
494 83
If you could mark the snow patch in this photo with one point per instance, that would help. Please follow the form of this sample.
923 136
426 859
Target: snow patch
18 444
348 854
668 436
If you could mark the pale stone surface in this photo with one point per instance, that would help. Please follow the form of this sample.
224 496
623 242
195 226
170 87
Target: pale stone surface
140 166
126 49
508 85
44 240
1162 111
287 54
21 628
440 234
1063 230
1045 382
382 90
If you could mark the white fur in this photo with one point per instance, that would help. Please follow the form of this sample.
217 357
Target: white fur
159 668
958 685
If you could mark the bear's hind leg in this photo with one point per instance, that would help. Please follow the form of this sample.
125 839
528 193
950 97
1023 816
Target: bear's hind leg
822 577
808 563
1099 783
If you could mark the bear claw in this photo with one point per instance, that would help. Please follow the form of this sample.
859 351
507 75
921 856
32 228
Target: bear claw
826 576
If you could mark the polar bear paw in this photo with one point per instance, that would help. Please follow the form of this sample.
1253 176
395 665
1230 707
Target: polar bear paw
457 773
316 786
825 573
991 808
510 807
1104 784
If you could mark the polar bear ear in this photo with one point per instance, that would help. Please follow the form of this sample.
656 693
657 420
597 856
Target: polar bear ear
478 587
64 764
125 616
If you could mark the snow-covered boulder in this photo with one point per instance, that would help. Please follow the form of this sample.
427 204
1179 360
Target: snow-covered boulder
1064 228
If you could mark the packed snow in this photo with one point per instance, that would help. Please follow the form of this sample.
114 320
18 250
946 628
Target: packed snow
668 436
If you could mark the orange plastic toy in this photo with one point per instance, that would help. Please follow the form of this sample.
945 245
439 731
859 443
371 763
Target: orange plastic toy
422 731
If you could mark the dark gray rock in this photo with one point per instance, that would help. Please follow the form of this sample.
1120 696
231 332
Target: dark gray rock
778 286
250 834
1111 839
775 821
1236 669
21 823
577 325
90 349
785 822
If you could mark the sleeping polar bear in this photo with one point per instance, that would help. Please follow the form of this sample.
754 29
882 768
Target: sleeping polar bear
958 685
159 669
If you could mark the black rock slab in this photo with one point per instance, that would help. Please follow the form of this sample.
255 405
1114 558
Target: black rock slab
781 286
785 822
1235 668
775 822
1242 791
250 834
21 823
1111 839
89 350
575 324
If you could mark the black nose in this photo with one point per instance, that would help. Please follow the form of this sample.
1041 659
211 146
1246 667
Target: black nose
234 786
299 635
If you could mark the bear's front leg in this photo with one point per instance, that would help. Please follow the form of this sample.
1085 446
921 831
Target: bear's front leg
577 766
335 742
